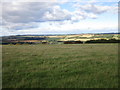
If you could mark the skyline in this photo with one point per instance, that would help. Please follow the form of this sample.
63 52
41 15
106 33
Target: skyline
55 17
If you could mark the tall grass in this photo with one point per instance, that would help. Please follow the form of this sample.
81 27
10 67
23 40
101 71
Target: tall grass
60 66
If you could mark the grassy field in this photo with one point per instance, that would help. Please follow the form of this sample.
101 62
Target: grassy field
60 66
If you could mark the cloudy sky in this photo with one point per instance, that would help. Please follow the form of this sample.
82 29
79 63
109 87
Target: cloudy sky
58 16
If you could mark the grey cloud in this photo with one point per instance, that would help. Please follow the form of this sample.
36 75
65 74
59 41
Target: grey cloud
22 15
29 12
91 8
25 12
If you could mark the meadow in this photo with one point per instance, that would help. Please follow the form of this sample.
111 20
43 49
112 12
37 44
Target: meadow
60 66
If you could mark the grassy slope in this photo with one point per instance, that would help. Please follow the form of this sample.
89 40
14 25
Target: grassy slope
60 66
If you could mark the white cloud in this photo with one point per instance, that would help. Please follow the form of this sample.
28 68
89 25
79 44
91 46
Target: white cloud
91 8
92 1
67 27
25 12
43 17
57 14
29 1
28 12
61 0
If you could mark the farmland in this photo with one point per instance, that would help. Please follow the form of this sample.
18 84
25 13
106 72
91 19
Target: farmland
60 66
61 39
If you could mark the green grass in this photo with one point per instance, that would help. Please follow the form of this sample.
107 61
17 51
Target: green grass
110 36
60 66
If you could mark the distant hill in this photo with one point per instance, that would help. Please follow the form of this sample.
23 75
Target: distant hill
62 38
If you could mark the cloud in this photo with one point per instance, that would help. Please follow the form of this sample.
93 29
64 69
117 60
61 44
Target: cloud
67 28
61 0
91 8
25 12
29 1
46 16
29 12
92 1
57 14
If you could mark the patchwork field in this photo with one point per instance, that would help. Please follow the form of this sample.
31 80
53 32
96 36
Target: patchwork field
60 39
60 66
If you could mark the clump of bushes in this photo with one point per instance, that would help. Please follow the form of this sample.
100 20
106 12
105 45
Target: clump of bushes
104 41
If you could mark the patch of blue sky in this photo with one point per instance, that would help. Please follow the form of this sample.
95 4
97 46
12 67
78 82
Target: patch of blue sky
108 17
68 6
107 3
